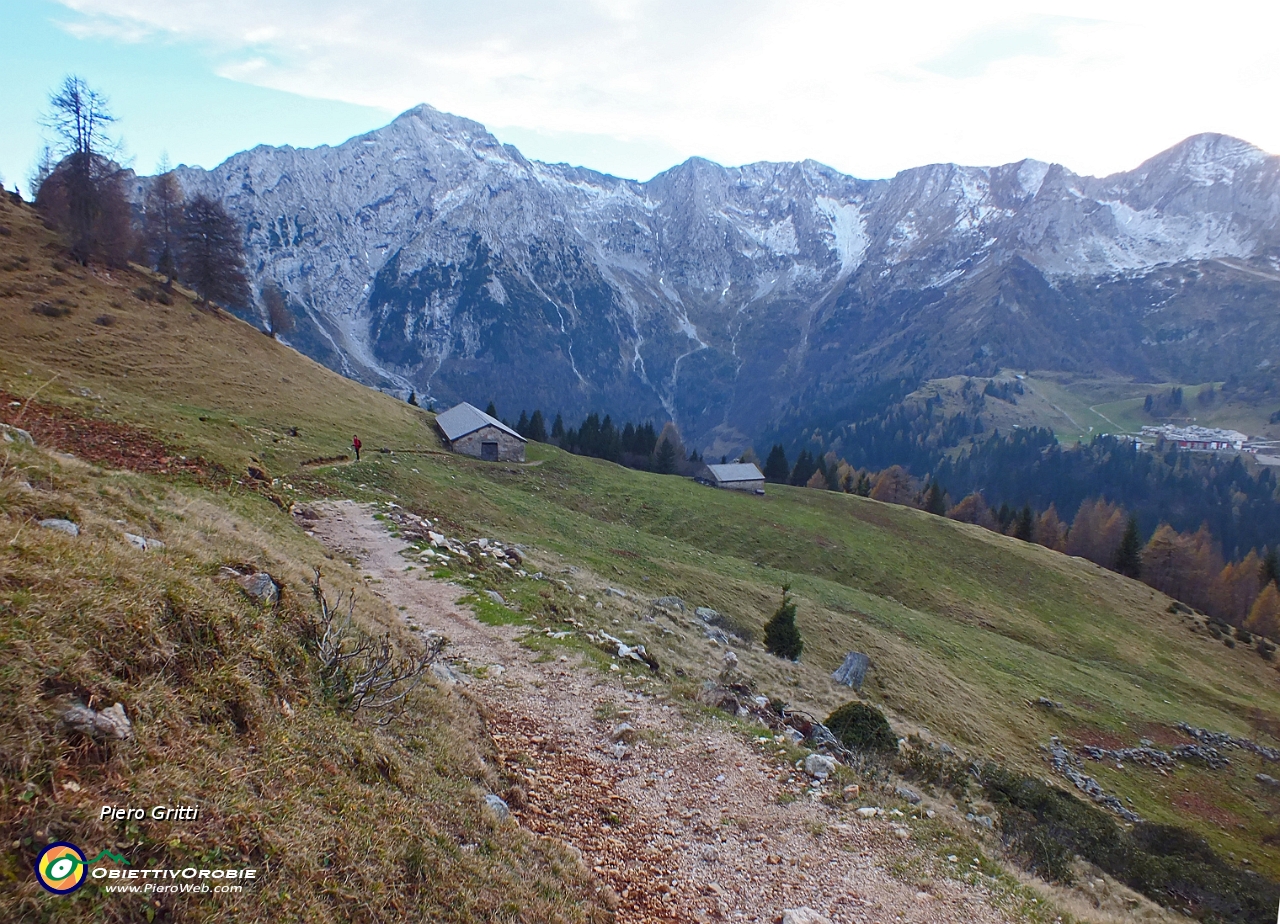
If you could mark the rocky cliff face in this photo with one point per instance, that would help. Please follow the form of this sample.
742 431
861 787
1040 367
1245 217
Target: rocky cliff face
428 256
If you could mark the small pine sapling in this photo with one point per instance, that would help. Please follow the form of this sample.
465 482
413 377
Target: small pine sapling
781 637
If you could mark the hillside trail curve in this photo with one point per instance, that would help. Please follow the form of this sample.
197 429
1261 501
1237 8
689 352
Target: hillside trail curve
687 821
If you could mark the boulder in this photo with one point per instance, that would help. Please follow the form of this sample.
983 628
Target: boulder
853 671
910 795
62 526
142 543
819 766
623 732
446 674
497 806
16 435
614 592
495 597
109 723
671 603
706 614
260 586
1267 780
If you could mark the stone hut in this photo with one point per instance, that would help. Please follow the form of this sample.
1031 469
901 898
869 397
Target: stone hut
735 476
472 432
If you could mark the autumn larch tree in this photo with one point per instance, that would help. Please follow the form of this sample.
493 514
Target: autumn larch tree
212 259
893 486
1050 532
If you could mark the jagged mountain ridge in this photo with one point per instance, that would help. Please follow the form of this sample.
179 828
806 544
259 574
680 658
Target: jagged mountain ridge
426 255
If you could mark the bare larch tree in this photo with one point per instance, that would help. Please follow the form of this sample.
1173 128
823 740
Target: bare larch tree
212 257
83 196
162 222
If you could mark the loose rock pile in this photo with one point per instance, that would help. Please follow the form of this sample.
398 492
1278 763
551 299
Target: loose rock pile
445 549
1066 763
1153 757
1223 740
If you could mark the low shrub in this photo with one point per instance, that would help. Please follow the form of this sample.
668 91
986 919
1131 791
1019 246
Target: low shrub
931 767
1044 826
860 727
51 310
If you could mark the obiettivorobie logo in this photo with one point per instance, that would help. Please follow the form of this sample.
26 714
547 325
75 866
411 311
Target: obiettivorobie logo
62 867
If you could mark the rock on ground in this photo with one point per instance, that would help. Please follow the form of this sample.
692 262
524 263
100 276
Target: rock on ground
142 543
498 806
109 723
819 766
260 586
62 526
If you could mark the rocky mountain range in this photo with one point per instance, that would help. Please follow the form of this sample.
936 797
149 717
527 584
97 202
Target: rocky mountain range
428 256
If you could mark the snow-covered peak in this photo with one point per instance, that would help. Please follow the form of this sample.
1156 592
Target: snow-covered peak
1206 159
427 255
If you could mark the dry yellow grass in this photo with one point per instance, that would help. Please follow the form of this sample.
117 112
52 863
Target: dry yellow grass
346 821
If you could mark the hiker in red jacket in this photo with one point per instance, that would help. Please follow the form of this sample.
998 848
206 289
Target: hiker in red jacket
355 444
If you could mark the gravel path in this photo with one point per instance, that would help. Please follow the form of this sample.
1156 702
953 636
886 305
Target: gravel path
684 822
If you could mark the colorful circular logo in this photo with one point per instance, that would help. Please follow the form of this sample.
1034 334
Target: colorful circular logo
61 868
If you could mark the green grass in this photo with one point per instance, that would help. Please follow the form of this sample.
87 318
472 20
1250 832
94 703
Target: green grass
1082 407
492 613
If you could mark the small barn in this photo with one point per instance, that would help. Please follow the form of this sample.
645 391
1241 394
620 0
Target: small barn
735 476
472 432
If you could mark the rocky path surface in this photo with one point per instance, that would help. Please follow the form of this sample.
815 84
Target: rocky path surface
684 819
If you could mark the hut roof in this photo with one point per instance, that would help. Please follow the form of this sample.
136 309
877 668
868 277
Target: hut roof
736 471
462 419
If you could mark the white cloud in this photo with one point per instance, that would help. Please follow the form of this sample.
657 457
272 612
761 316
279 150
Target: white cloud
631 85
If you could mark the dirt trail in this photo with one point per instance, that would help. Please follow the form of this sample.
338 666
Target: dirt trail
684 823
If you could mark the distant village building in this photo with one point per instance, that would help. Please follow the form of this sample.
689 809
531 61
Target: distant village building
472 432
1199 439
734 476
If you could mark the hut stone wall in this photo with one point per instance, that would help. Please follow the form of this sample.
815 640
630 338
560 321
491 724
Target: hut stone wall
504 447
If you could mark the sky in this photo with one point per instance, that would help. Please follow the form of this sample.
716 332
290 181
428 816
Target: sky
632 87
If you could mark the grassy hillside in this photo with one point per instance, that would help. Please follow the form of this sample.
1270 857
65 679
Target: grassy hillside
346 822
965 628
1078 407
